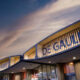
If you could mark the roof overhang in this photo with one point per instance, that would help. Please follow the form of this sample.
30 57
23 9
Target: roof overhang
20 67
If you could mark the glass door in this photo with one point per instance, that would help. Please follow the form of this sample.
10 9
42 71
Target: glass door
44 72
53 73
69 71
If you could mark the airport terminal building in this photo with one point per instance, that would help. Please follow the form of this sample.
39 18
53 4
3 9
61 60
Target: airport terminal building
57 57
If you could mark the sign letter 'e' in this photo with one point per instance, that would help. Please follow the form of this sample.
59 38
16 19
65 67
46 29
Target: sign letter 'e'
48 49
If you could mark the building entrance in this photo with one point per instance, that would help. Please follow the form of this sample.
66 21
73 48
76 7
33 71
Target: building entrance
69 71
43 72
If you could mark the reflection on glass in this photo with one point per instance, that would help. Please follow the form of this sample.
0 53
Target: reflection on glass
69 71
44 72
37 74
53 73
49 72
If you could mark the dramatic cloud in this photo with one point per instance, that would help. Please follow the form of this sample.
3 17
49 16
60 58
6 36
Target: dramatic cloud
37 25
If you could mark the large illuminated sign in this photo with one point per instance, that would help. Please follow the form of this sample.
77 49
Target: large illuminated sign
62 43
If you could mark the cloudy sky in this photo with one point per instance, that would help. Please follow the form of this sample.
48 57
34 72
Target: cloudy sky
23 23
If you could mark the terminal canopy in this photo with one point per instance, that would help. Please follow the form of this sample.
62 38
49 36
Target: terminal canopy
63 57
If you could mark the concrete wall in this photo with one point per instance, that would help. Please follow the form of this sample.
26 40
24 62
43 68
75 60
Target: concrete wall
60 72
77 70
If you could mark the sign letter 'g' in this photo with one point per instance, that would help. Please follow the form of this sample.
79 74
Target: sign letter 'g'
56 46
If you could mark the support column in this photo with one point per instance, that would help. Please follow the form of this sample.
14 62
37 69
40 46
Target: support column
77 70
60 72
36 56
21 57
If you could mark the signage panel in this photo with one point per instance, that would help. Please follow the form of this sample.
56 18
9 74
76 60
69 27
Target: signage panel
62 43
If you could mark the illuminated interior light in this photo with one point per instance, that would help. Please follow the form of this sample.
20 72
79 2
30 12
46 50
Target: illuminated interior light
74 58
71 63
49 62
24 68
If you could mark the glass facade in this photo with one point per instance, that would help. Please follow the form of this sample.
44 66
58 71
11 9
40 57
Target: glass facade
69 71
43 72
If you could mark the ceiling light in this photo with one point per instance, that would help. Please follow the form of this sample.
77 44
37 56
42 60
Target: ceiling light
49 62
24 68
12 72
74 58
71 63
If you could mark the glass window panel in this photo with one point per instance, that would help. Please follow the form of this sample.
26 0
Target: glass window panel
49 72
44 72
37 74
53 73
69 71
71 67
